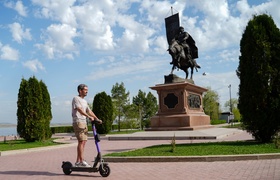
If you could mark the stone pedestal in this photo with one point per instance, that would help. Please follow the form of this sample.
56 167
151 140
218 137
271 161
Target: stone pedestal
180 107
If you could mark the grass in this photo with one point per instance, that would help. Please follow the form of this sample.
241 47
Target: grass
21 144
234 125
203 149
124 132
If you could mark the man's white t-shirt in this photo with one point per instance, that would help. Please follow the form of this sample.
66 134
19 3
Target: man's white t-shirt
81 103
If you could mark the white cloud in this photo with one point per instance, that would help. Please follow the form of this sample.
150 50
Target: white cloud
8 53
243 7
160 44
33 65
19 33
56 10
59 41
62 35
229 55
135 37
156 11
216 28
95 22
18 6
96 31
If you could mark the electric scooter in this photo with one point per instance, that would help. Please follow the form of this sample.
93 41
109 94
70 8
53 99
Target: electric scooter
98 166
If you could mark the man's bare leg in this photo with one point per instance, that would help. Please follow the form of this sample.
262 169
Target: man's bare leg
80 151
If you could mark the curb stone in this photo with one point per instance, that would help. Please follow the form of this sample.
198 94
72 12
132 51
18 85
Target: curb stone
242 157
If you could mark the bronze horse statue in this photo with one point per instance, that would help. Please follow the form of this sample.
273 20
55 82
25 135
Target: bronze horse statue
180 59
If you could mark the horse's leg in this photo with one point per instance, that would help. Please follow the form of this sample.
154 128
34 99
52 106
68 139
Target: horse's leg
187 72
173 67
191 72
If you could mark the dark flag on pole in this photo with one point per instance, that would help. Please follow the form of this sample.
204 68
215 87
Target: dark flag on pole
172 25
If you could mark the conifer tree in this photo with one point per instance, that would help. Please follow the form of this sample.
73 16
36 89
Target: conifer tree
259 74
21 110
120 99
47 113
102 106
33 113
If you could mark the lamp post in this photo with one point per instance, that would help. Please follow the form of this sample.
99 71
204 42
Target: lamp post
230 106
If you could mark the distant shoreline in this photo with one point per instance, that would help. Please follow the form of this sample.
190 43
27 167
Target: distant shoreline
9 129
7 125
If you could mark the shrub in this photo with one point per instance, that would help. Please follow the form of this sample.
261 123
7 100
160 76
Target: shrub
214 122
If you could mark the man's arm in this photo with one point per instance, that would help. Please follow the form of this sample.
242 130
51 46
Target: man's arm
81 111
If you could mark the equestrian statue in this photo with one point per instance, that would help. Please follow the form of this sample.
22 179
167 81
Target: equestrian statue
183 52
182 46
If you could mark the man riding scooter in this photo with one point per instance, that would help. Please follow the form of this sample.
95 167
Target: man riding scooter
80 113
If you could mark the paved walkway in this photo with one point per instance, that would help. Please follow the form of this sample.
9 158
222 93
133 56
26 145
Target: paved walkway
46 164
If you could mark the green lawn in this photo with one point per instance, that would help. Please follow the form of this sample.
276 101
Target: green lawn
202 149
124 132
21 144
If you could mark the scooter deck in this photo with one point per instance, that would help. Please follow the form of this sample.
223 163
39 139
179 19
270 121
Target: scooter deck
84 169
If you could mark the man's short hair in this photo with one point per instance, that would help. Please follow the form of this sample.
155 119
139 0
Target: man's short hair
81 87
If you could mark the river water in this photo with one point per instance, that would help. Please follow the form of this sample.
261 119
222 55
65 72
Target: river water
8 131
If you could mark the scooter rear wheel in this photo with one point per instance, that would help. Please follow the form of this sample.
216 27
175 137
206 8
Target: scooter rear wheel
66 167
105 171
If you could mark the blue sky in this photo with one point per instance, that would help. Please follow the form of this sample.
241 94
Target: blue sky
99 43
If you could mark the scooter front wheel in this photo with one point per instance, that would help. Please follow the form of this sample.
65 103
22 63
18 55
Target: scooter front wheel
105 170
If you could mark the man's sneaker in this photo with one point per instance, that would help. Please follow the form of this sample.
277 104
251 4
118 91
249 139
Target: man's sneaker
84 164
77 164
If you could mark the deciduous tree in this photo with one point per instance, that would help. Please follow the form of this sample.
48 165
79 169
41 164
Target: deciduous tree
147 107
211 104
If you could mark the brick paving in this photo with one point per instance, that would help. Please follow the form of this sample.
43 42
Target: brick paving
46 164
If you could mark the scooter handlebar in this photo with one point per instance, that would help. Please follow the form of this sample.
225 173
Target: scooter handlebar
96 121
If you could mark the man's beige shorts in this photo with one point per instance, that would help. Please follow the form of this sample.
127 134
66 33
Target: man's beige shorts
81 131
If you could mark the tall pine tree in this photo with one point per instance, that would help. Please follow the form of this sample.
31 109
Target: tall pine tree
120 99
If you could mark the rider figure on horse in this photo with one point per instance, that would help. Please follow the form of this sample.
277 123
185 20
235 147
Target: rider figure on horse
187 42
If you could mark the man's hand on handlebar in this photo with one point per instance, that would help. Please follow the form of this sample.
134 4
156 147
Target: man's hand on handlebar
99 121
95 120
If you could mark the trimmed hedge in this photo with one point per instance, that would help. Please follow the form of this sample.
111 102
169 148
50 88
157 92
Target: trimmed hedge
214 122
62 129
65 129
